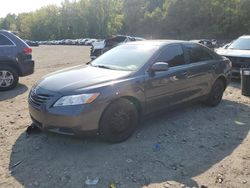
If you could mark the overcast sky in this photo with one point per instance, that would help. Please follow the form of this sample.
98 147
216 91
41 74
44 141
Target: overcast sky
20 6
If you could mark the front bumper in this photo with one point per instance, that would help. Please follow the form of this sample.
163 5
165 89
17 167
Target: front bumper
238 63
70 120
27 67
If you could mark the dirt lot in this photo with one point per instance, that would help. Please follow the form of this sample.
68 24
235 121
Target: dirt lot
194 146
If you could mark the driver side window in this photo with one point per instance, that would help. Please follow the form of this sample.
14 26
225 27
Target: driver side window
173 55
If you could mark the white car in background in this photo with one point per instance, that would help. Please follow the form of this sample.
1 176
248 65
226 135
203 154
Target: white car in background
100 47
238 51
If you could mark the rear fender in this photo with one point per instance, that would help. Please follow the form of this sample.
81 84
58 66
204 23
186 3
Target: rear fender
11 63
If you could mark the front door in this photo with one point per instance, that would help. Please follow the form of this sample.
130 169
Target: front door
167 88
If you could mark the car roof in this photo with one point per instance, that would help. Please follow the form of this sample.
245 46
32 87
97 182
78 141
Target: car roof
4 31
195 40
8 33
158 42
245 36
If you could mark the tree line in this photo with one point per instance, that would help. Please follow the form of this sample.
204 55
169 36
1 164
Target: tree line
179 19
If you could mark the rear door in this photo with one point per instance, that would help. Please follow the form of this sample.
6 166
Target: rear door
167 88
201 65
6 48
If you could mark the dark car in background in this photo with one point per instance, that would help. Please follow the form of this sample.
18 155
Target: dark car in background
15 60
32 43
207 42
98 48
110 94
238 51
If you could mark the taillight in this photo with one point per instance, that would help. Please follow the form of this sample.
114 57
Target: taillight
27 51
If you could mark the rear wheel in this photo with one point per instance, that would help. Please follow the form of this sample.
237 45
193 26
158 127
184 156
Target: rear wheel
8 78
119 121
216 93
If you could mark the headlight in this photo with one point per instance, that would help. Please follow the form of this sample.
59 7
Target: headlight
76 99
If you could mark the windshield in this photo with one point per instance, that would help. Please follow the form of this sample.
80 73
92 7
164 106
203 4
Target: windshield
240 44
125 57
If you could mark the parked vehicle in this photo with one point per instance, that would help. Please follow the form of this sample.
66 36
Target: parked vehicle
101 47
206 42
238 52
82 41
15 60
31 43
109 95
90 42
86 41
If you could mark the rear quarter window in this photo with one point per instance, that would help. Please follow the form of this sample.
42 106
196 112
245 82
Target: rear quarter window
4 41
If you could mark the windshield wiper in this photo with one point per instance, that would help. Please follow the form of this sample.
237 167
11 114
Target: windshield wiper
101 66
111 67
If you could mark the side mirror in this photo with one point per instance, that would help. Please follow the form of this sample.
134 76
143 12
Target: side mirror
159 66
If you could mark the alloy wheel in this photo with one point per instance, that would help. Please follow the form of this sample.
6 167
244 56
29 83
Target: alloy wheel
6 78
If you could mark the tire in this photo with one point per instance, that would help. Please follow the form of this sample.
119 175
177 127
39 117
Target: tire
118 121
216 93
8 78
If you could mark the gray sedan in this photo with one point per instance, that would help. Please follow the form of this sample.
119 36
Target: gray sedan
109 95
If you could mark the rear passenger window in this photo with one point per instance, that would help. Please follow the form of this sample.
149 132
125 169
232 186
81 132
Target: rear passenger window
197 54
173 55
4 41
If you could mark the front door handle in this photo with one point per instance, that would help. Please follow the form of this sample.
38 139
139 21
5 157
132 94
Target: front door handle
185 73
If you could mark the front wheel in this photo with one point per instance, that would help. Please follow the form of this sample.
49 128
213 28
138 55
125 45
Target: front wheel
8 78
216 93
119 121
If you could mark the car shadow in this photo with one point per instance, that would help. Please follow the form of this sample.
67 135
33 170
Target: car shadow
175 146
20 89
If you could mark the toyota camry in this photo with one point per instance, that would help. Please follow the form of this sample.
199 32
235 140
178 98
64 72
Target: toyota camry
109 95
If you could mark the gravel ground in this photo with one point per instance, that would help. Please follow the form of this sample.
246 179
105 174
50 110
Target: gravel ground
195 146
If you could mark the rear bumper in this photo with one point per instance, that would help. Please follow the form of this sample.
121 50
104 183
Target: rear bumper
26 67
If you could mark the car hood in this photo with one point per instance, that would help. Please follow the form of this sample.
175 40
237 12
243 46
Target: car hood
233 53
76 78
